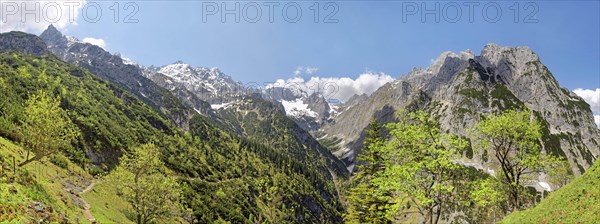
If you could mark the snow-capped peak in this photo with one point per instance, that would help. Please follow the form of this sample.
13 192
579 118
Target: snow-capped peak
178 71
209 84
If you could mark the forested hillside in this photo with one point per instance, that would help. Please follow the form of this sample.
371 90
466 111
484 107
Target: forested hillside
221 177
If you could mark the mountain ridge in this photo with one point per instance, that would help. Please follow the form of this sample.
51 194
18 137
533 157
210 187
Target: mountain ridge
458 87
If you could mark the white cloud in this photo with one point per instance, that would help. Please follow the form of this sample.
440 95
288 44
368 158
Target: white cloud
35 16
95 41
592 97
337 88
308 70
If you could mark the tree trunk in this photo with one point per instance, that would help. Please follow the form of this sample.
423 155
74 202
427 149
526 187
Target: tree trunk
27 157
27 161
139 218
439 213
515 196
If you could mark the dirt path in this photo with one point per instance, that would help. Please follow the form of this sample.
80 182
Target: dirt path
88 188
75 194
86 206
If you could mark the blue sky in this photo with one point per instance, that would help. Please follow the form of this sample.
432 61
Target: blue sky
376 36
369 36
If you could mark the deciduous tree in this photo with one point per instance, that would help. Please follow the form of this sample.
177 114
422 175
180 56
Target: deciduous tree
420 165
513 140
46 127
141 181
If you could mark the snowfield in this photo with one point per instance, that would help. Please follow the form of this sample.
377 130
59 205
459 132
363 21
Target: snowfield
297 108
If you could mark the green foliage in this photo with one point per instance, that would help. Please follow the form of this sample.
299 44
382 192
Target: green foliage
560 173
512 139
488 196
366 204
420 166
551 141
46 127
246 169
108 118
504 99
479 95
142 182
576 202
60 161
414 172
40 182
331 143
254 182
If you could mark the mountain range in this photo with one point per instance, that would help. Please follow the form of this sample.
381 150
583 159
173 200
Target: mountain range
455 87
287 128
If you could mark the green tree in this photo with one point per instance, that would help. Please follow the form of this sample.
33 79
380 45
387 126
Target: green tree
269 204
420 166
513 140
488 197
366 204
560 173
141 181
46 127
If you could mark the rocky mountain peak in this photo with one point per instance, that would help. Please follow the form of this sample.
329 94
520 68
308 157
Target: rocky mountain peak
496 55
458 88
54 38
449 56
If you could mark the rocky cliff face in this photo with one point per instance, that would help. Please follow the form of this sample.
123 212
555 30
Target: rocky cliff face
115 70
458 88
23 42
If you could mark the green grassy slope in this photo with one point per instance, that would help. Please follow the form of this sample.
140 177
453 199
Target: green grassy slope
576 202
40 182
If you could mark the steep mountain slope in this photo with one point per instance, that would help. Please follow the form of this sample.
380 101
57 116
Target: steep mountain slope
224 176
110 118
309 111
113 69
576 202
457 88
255 113
261 120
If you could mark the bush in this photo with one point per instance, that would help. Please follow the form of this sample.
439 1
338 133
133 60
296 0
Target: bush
95 170
60 161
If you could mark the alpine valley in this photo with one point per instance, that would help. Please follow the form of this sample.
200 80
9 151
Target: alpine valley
186 144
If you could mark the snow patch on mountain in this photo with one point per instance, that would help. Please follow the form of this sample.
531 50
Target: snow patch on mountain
128 61
219 106
297 108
